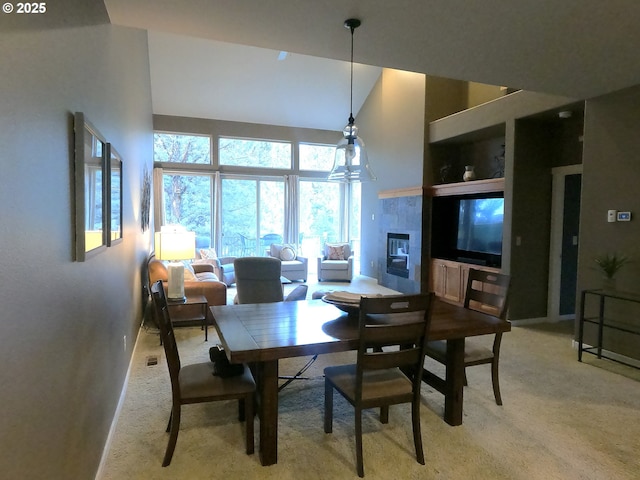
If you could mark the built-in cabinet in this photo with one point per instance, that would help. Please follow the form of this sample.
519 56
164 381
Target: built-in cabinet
449 278
512 143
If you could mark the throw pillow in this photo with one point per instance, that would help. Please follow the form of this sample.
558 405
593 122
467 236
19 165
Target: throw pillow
287 253
208 253
336 252
189 274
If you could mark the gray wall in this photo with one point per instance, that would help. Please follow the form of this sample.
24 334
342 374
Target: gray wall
63 322
391 123
611 173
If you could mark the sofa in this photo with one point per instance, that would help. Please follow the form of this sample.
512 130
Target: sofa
336 262
294 267
199 279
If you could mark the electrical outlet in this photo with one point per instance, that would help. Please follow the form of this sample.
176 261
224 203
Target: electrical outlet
124 341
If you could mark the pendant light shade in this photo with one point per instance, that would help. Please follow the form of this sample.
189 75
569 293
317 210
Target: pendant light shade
351 163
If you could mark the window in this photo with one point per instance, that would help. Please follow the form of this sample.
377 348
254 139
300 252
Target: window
179 148
320 213
249 208
187 202
316 157
254 153
252 215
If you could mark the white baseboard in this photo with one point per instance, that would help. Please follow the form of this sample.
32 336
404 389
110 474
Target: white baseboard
116 415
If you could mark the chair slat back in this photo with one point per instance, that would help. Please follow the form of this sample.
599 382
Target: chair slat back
400 323
487 292
166 333
258 279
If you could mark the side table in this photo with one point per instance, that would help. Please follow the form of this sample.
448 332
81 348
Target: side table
201 316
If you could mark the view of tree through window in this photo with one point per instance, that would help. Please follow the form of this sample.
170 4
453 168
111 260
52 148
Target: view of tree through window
252 215
179 148
254 153
187 202
316 157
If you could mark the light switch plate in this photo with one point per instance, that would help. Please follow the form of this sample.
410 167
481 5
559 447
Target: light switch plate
624 216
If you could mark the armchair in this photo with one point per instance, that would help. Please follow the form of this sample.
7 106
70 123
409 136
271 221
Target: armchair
336 262
222 266
294 267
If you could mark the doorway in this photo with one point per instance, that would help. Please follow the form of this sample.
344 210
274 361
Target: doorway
563 260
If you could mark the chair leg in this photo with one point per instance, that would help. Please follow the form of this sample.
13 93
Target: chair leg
495 381
384 414
359 461
328 407
169 422
417 435
173 435
248 410
241 410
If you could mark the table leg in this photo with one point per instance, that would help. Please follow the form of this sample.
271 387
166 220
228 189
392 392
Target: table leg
454 386
268 391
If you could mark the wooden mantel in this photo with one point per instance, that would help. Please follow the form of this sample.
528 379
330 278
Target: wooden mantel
462 188
400 192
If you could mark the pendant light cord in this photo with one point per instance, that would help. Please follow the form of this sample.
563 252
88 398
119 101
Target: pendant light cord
351 119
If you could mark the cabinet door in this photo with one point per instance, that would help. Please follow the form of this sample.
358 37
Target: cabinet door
437 278
452 282
446 280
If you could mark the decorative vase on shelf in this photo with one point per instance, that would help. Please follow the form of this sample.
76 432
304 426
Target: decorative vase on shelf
608 283
469 173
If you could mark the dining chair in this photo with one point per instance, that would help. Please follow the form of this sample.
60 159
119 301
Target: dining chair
258 280
486 292
196 383
393 337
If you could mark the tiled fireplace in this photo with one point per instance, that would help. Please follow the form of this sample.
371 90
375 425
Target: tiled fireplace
400 240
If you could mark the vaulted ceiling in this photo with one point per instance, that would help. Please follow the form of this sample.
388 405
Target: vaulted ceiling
218 58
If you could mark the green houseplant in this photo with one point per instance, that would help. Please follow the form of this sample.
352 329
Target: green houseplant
610 264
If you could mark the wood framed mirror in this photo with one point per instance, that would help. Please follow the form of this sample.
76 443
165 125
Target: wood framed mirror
90 189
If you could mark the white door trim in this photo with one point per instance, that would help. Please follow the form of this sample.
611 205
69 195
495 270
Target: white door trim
555 256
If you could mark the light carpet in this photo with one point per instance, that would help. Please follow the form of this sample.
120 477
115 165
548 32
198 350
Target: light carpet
561 419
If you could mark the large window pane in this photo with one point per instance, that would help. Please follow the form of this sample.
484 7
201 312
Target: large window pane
187 202
254 153
271 214
239 211
320 217
316 157
252 215
178 148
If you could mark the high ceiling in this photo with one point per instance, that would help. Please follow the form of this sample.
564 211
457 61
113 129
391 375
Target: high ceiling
574 48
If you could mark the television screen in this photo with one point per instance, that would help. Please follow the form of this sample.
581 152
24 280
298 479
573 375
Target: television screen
480 225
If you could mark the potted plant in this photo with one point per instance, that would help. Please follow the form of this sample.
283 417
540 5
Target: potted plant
609 264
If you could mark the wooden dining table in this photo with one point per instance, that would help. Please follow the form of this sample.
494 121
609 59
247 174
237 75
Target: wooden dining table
262 334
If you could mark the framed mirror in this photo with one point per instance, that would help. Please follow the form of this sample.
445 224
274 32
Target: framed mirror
90 189
114 219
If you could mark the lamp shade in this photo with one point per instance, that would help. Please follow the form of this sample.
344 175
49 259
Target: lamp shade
175 245
351 163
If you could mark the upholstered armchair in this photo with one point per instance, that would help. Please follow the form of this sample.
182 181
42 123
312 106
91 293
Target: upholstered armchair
222 266
336 262
294 267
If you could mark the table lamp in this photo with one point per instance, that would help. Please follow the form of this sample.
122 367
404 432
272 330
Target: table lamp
175 244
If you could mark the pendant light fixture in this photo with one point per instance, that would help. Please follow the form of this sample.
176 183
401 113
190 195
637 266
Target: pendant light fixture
351 163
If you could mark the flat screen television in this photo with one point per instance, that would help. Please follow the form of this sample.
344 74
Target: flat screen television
468 228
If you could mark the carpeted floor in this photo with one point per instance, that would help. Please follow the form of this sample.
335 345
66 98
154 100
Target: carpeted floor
561 419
